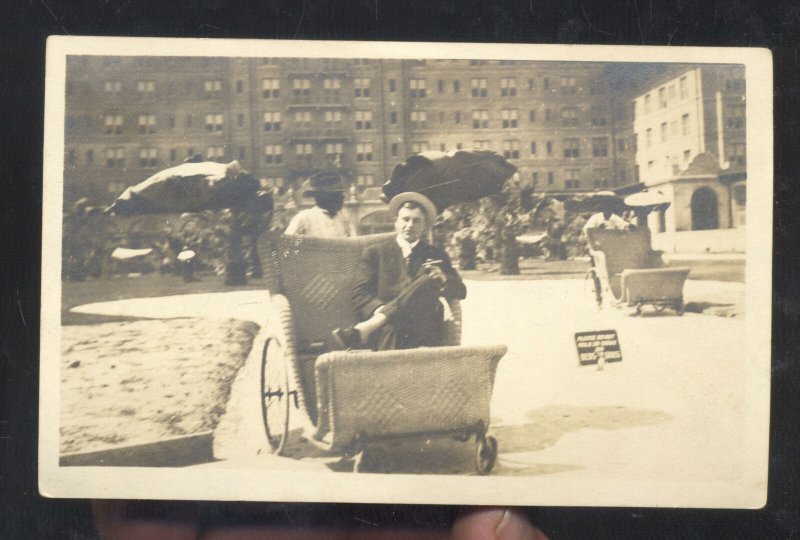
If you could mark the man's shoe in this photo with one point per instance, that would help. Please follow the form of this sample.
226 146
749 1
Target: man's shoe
347 338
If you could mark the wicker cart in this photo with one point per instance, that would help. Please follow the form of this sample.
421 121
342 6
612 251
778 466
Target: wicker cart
356 398
631 272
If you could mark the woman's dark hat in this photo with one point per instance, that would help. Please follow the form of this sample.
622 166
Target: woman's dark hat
323 182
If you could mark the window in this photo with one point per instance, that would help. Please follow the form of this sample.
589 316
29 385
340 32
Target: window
443 147
417 88
361 88
212 88
547 115
478 87
392 85
147 123
215 153
647 104
365 180
531 86
511 149
173 155
737 154
550 178
649 137
459 146
569 85
546 85
457 118
664 134
144 88
533 148
598 115
333 119
549 148
90 157
535 178
171 121
302 120
393 117
304 153
418 147
440 86
662 97
72 158
683 86
363 119
572 178
112 87
531 116
456 87
271 88
482 145
148 157
601 177
508 87
480 119
419 119
214 122
687 154
113 124
364 152
671 92
272 121
332 88
240 120
509 117
572 148
333 151
621 145
569 116
273 154
239 87
241 152
685 124
735 117
301 88
599 146
395 149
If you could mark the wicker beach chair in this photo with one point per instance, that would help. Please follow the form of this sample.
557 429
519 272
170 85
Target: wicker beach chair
631 272
356 398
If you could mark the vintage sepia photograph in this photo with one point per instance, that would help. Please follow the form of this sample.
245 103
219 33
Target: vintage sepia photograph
406 272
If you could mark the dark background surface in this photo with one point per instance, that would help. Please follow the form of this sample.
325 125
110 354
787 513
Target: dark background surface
24 26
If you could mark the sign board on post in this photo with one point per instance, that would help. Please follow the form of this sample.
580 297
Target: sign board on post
598 347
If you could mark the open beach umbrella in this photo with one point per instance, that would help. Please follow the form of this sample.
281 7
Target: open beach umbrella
450 177
189 187
647 201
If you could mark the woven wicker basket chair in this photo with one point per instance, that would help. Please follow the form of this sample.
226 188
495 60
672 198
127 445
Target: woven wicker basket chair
355 398
632 272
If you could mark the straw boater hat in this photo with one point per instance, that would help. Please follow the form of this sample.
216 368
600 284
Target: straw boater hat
323 182
401 198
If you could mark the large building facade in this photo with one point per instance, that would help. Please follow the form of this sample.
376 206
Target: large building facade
283 119
690 133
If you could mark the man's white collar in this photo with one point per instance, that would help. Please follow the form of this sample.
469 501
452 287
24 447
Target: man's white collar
405 246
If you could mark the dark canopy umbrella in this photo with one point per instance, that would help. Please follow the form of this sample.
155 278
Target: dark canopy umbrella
450 177
597 202
189 187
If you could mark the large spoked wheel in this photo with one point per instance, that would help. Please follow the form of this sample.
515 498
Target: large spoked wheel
485 454
275 395
592 294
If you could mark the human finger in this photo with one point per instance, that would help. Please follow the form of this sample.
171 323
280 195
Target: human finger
119 520
494 524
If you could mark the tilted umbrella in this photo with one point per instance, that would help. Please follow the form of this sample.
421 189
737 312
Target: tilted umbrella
448 178
189 187
647 201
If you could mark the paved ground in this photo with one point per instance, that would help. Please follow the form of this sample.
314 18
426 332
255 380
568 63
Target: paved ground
674 409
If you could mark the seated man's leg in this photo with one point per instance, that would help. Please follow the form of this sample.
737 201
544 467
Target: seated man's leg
414 318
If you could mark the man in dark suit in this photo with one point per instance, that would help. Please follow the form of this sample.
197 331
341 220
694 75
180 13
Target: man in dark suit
403 285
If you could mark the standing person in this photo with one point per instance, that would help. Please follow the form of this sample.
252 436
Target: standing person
403 285
324 219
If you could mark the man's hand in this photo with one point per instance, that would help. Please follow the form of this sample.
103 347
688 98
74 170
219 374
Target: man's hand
434 269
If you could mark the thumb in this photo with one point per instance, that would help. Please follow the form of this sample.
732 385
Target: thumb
495 524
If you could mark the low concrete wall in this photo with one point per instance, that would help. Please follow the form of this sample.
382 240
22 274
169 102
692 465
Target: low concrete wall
714 241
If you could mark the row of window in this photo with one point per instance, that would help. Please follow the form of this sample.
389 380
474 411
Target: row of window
669 130
669 94
363 120
361 87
